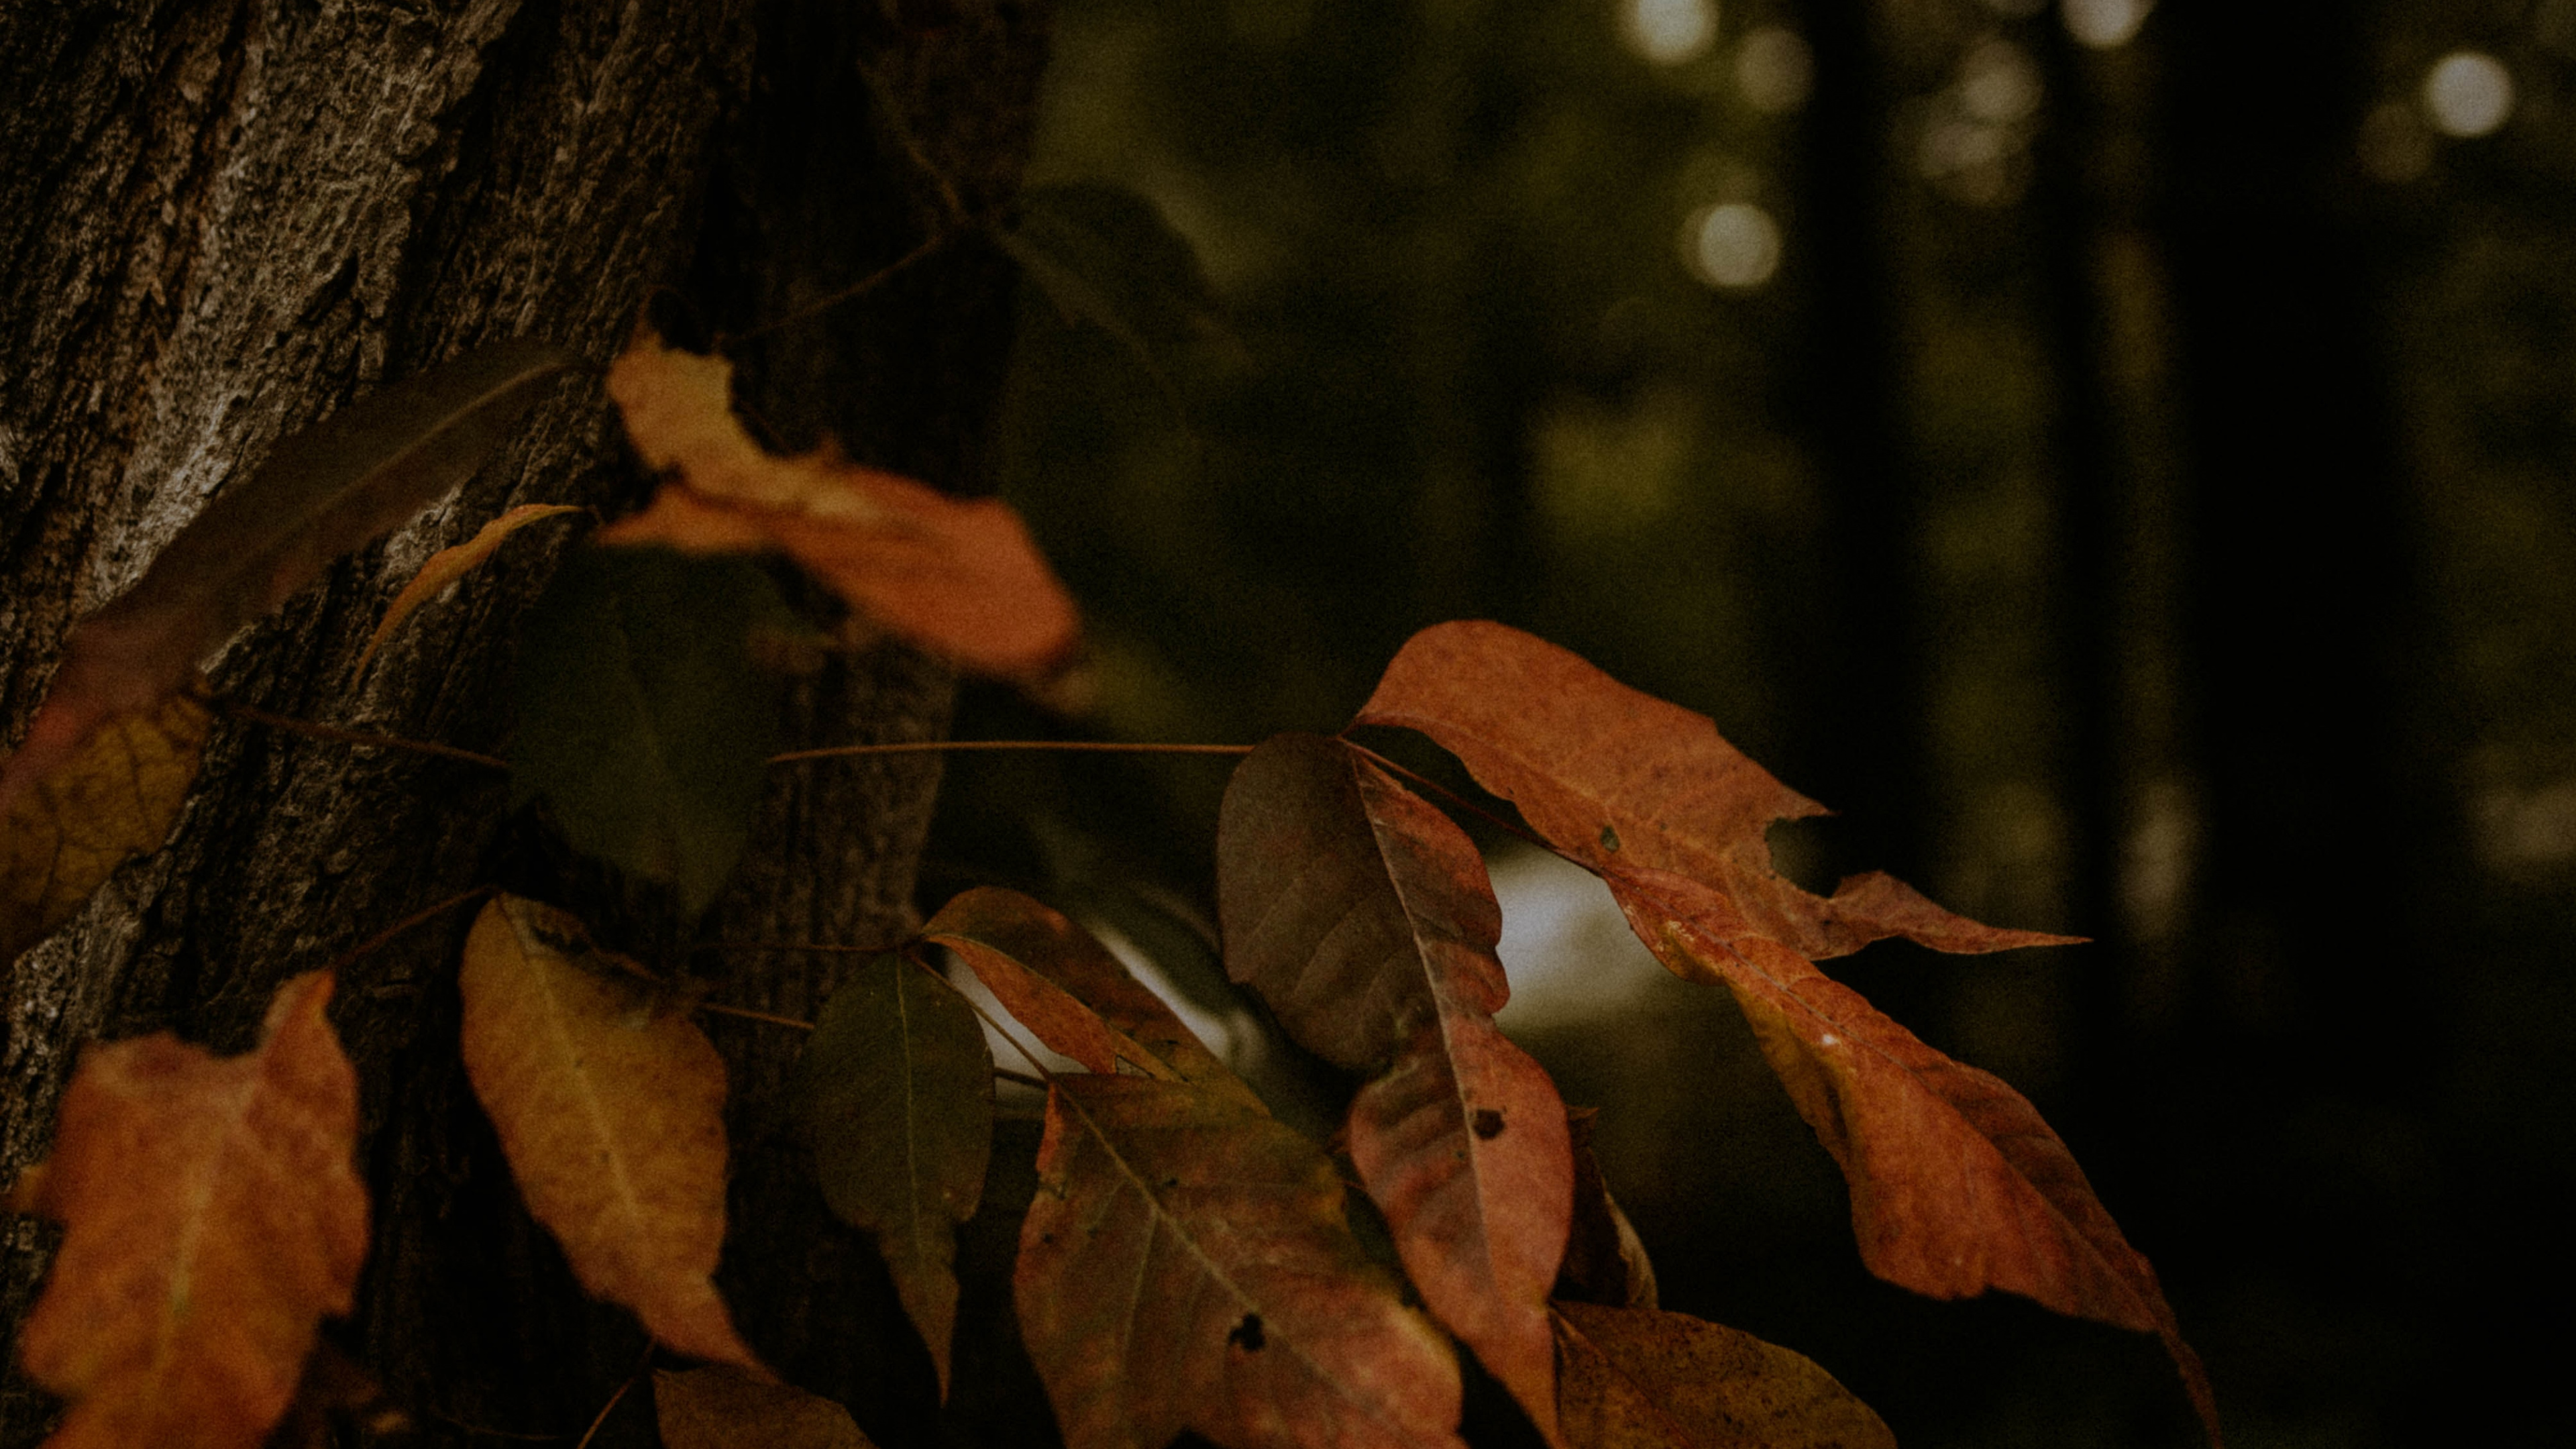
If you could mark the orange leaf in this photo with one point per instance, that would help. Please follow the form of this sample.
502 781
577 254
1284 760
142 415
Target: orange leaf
450 564
213 1218
1616 777
723 1408
103 800
1635 1378
960 577
1186 1265
1364 917
610 1106
1957 1185
1065 986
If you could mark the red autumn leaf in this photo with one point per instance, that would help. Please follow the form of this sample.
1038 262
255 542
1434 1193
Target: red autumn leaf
1065 986
213 1217
450 564
1616 777
112 798
1635 1378
609 1103
724 1408
1364 917
1187 1265
959 577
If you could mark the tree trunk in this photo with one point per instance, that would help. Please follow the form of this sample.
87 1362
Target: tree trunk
230 219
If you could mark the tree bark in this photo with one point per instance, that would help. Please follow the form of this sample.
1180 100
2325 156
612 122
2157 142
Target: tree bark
228 220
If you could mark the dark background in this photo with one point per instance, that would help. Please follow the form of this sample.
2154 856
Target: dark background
2136 495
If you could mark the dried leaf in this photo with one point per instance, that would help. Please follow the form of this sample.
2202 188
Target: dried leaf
1364 917
1066 987
722 1408
644 721
1605 1260
1615 777
448 565
1957 1185
957 576
896 1088
214 1216
1638 1379
1187 1265
609 1103
113 797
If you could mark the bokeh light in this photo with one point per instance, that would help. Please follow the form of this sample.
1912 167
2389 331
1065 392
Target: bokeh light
1773 70
2105 24
1734 245
1669 32
2468 93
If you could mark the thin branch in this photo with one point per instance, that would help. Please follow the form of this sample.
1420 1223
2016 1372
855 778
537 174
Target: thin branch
308 728
614 1399
793 946
851 293
917 747
377 942
748 1014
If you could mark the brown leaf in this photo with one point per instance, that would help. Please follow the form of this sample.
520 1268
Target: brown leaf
450 564
1187 1265
723 1408
610 1106
1616 777
1364 917
213 1215
1065 986
1605 1260
107 799
957 576
1634 1378
1957 1185
896 1089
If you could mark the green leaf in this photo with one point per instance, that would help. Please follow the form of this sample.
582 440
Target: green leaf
643 722
896 1092
1106 256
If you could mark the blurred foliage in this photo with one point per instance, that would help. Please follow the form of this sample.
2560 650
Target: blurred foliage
2227 561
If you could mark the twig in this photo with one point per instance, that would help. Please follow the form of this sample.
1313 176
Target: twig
851 293
376 942
614 1399
308 728
793 946
915 747
748 1014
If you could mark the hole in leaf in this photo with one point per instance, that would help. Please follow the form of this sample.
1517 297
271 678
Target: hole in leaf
1609 838
1247 1333
1488 1123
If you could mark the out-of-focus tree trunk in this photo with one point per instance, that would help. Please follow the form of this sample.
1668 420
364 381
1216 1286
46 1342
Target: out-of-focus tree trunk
223 221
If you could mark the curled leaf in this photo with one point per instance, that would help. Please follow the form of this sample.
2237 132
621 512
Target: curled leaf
1364 917
609 1103
957 576
1635 1378
1187 1265
1605 1260
213 1216
896 1087
448 565
112 798
723 1408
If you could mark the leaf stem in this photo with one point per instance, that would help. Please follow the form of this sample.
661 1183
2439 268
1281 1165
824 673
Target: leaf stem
306 727
747 1014
914 747
614 1399
377 942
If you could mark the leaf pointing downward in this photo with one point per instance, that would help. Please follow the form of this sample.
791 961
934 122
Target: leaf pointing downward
1363 916
609 1103
214 1216
450 564
1187 1266
897 1093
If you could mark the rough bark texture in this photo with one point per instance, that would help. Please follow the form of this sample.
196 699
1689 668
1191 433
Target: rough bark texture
223 221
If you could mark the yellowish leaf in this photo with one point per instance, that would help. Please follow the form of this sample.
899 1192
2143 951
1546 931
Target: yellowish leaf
450 564
107 799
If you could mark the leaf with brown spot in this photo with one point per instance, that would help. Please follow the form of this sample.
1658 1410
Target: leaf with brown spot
1363 916
1187 1265
213 1215
723 1408
609 1103
957 576
1605 1260
448 565
1634 1378
1066 987
1957 1185
896 1091
113 797
1616 777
